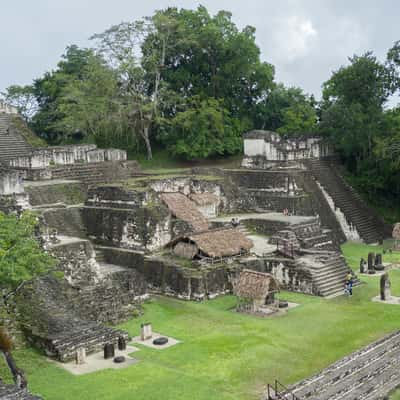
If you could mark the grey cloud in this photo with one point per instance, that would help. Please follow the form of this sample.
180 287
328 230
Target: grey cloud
305 39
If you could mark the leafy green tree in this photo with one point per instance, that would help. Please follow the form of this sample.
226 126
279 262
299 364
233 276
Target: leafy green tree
287 110
23 98
90 104
300 119
48 89
121 45
211 58
204 129
352 108
21 257
21 260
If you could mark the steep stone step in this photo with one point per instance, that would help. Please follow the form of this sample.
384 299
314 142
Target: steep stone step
12 143
367 374
369 225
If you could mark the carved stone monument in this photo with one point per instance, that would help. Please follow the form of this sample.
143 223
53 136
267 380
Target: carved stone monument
109 351
81 356
378 262
385 287
121 343
371 263
362 266
146 331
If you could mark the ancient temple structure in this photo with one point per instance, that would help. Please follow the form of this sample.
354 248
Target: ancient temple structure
302 170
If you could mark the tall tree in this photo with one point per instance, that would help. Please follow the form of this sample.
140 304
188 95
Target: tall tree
6 348
122 45
352 108
47 91
21 257
204 129
211 58
23 98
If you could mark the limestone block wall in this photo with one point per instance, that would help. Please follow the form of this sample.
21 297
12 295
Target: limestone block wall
116 197
11 182
140 228
115 155
290 276
169 278
67 155
7 109
14 203
95 156
272 147
77 262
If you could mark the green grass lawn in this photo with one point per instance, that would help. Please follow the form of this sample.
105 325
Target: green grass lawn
225 355
162 160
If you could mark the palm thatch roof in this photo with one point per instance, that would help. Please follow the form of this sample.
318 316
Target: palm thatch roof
218 242
222 242
396 231
203 199
255 285
185 209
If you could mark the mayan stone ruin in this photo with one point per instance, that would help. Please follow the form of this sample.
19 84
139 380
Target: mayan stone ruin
122 235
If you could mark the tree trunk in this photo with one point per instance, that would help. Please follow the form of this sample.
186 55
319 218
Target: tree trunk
147 141
18 375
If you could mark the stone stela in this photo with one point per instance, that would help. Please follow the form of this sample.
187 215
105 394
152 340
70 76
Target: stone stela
385 287
146 331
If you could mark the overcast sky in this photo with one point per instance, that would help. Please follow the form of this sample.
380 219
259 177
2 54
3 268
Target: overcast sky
304 39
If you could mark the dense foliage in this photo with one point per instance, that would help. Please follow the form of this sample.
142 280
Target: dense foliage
21 257
192 82
143 82
355 118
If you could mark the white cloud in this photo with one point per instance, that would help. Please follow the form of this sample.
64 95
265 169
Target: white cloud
294 37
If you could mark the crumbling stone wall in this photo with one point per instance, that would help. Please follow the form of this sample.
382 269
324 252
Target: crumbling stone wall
290 275
140 228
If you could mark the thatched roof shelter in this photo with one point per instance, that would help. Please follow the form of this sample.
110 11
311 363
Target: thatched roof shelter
255 285
396 231
216 243
185 209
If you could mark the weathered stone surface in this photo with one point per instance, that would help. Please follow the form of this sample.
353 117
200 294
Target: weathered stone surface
146 331
60 320
369 373
385 287
12 392
264 147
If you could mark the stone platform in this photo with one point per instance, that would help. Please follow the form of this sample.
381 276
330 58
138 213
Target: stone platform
149 342
96 362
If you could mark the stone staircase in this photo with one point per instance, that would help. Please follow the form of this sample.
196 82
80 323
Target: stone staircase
368 223
311 235
100 172
100 256
91 336
12 143
53 324
368 374
12 392
329 275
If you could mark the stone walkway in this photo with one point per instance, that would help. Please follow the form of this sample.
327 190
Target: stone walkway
269 216
49 182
